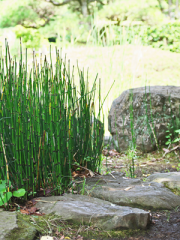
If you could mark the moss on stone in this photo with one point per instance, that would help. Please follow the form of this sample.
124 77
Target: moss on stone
42 226
24 231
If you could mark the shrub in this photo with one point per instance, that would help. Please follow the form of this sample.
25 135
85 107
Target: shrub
14 12
46 125
165 36
30 37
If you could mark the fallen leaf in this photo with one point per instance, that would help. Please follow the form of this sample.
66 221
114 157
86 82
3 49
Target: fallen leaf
113 153
32 210
74 174
39 214
111 189
91 173
128 188
151 163
24 212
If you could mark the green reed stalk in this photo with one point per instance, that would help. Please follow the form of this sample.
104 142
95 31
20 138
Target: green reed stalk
48 125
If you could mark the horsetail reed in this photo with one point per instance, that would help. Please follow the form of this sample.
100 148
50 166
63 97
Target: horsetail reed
46 124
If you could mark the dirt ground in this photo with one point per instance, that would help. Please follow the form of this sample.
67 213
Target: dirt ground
165 224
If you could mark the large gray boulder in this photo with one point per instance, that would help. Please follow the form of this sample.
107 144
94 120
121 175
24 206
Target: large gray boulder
144 113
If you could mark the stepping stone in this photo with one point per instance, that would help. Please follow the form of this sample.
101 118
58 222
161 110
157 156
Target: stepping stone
11 229
105 215
131 192
170 180
8 222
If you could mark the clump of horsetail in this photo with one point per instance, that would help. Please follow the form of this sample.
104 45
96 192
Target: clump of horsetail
47 123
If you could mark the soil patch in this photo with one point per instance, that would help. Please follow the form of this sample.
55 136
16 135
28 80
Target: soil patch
165 225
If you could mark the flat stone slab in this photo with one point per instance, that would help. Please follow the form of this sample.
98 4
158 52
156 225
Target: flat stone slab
10 230
131 192
8 222
105 215
170 179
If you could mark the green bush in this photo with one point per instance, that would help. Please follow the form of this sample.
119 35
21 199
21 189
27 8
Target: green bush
46 125
15 13
165 36
30 37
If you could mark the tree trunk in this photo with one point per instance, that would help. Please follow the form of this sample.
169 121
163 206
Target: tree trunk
169 9
160 5
84 8
177 9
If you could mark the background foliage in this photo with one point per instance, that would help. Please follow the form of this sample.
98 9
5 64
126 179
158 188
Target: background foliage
87 21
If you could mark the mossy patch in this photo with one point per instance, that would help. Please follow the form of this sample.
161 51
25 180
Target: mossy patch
53 225
24 231
174 190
